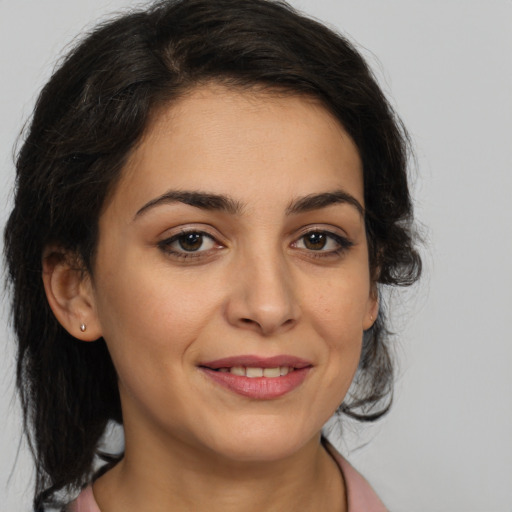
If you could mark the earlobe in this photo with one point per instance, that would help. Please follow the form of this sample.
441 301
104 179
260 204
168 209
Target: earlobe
372 311
70 295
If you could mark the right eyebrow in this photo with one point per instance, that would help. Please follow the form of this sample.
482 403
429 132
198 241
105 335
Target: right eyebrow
202 200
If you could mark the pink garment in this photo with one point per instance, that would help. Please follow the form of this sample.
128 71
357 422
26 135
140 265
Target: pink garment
85 502
361 497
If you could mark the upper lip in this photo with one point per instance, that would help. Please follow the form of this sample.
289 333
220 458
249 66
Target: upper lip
257 362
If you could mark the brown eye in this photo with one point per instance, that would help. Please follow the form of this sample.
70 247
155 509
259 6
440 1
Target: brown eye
187 243
315 241
191 242
324 243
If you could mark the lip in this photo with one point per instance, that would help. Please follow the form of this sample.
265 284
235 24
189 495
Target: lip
258 388
257 361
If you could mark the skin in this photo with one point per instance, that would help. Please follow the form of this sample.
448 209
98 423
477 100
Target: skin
256 285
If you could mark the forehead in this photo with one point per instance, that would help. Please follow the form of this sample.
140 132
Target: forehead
242 141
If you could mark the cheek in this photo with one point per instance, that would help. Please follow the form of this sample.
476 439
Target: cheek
148 317
150 329
338 314
340 308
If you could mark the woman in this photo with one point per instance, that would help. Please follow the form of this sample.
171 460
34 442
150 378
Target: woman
212 195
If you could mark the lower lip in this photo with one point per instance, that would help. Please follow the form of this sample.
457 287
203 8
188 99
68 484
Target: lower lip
259 388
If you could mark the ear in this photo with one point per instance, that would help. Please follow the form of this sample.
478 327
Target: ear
70 294
372 309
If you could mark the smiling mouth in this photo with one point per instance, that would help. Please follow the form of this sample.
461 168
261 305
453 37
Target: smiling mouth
255 372
258 378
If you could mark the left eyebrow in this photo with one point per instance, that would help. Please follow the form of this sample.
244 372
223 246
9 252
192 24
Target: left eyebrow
323 200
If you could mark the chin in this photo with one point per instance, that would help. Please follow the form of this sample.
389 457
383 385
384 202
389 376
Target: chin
262 441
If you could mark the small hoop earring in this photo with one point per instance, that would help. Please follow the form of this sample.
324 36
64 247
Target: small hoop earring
83 327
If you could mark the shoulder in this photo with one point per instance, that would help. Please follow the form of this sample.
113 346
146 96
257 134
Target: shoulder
360 495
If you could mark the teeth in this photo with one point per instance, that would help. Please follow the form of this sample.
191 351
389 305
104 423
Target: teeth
253 372
271 372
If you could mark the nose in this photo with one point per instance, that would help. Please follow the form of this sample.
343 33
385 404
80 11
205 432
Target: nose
262 296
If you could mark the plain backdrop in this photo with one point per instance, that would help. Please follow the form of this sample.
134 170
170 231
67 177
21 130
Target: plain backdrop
447 67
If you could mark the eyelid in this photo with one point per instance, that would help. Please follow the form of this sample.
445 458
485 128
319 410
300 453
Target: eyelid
328 229
173 235
335 233
183 229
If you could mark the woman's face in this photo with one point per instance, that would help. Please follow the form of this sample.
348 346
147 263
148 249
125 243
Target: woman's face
231 282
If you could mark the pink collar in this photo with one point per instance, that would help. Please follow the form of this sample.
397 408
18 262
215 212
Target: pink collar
360 496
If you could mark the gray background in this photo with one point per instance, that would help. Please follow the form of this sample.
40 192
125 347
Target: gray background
447 66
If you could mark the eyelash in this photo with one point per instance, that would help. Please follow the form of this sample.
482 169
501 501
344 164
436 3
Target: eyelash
343 244
166 245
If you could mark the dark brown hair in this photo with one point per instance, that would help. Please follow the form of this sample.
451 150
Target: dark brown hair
90 115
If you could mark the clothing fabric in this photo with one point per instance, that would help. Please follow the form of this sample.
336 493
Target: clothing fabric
360 496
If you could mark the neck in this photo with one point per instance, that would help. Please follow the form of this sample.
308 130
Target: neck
187 479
